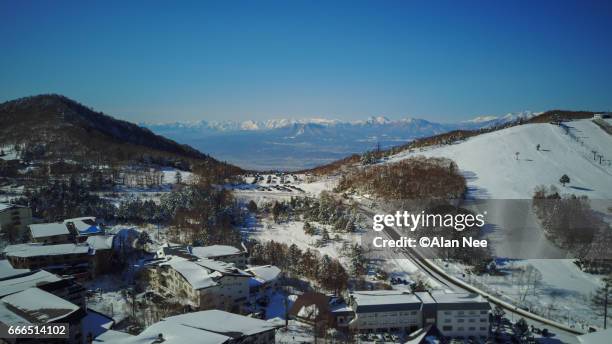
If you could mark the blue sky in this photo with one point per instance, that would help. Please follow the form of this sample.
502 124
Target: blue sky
440 60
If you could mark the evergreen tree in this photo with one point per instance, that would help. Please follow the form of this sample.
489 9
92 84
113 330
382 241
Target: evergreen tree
295 254
358 261
308 229
178 178
325 235
521 328
564 179
252 206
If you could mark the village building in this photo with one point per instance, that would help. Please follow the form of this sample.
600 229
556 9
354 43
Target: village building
64 287
462 314
104 253
34 306
67 231
204 327
41 297
385 311
50 233
7 271
223 253
204 283
84 227
455 314
64 259
265 277
16 216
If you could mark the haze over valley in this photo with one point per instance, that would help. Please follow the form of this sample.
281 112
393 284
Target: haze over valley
288 144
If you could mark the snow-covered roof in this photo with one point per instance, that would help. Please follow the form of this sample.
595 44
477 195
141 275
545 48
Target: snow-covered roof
42 230
34 250
265 273
385 300
204 327
599 337
14 285
450 301
7 270
5 206
202 273
34 306
101 242
214 251
112 336
196 275
85 225
309 312
222 267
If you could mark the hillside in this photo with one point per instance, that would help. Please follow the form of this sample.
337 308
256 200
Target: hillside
493 171
53 127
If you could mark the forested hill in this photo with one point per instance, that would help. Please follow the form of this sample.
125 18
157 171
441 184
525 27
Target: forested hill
52 127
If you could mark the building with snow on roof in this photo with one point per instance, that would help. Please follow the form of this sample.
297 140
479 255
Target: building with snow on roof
204 327
265 277
40 297
224 253
34 306
455 314
64 259
17 216
203 283
84 227
50 233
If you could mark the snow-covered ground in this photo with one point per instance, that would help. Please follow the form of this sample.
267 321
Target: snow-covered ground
292 232
8 152
170 175
494 171
269 187
108 297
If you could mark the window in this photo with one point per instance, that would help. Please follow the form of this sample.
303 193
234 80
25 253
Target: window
472 328
483 328
460 320
447 328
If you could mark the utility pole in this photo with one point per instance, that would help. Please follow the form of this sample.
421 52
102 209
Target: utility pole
606 305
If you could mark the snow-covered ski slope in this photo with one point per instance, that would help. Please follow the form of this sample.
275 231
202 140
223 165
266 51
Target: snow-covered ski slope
491 167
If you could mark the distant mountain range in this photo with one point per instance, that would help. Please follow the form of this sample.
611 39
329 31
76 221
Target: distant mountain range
378 121
304 143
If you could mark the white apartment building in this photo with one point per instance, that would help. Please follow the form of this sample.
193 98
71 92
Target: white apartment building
462 314
15 215
455 314
385 311
205 283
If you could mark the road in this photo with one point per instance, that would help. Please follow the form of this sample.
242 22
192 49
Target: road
562 332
